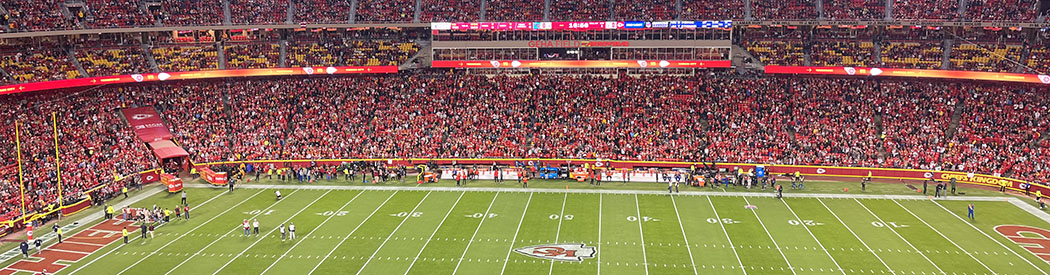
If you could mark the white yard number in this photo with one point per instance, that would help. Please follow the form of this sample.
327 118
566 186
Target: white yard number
334 213
644 219
482 215
556 216
806 222
406 214
724 221
891 224
258 212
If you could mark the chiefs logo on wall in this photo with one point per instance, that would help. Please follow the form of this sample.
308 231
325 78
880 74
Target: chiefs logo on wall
567 252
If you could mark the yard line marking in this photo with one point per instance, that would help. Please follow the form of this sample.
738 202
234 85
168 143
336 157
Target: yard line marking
472 236
899 236
686 238
814 237
727 235
990 237
561 217
274 230
392 233
641 234
599 256
311 232
946 237
172 241
505 260
856 236
228 232
436 231
351 233
771 237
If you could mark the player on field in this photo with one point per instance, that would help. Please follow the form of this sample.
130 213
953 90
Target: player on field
282 232
291 231
525 182
970 208
780 191
125 234
278 193
247 227
255 226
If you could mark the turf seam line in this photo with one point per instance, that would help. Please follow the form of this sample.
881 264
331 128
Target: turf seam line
392 233
684 237
352 232
311 232
137 236
990 237
516 231
227 233
899 236
804 225
622 192
857 236
561 217
771 237
731 245
442 223
273 230
641 233
946 238
483 218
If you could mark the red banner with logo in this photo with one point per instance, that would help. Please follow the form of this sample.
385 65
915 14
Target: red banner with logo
215 178
173 183
512 64
147 124
947 74
151 77
150 176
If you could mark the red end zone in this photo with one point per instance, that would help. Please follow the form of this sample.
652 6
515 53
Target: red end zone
1035 240
72 249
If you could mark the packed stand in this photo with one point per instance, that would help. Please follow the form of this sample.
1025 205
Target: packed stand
33 65
513 10
450 10
1002 10
186 58
191 12
647 10
252 56
784 9
999 130
1037 59
38 15
925 9
579 10
259 11
385 11
112 61
118 14
322 11
915 119
854 9
712 9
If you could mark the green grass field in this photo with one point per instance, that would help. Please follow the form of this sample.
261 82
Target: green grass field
430 231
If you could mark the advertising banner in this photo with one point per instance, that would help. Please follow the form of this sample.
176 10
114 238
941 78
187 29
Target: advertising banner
173 183
76 207
146 123
511 64
151 77
921 73
215 178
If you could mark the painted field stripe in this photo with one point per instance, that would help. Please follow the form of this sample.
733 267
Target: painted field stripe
902 237
483 218
231 231
165 245
561 217
771 237
857 236
945 237
737 255
990 237
684 237
799 219
515 239
369 260
599 246
311 232
442 223
641 233
274 230
352 232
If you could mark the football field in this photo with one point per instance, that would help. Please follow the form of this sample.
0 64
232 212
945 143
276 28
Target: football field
511 231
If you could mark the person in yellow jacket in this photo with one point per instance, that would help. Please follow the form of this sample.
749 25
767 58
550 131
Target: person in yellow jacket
109 211
125 191
59 234
124 233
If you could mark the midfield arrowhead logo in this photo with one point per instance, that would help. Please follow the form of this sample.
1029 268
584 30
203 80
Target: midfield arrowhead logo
566 252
